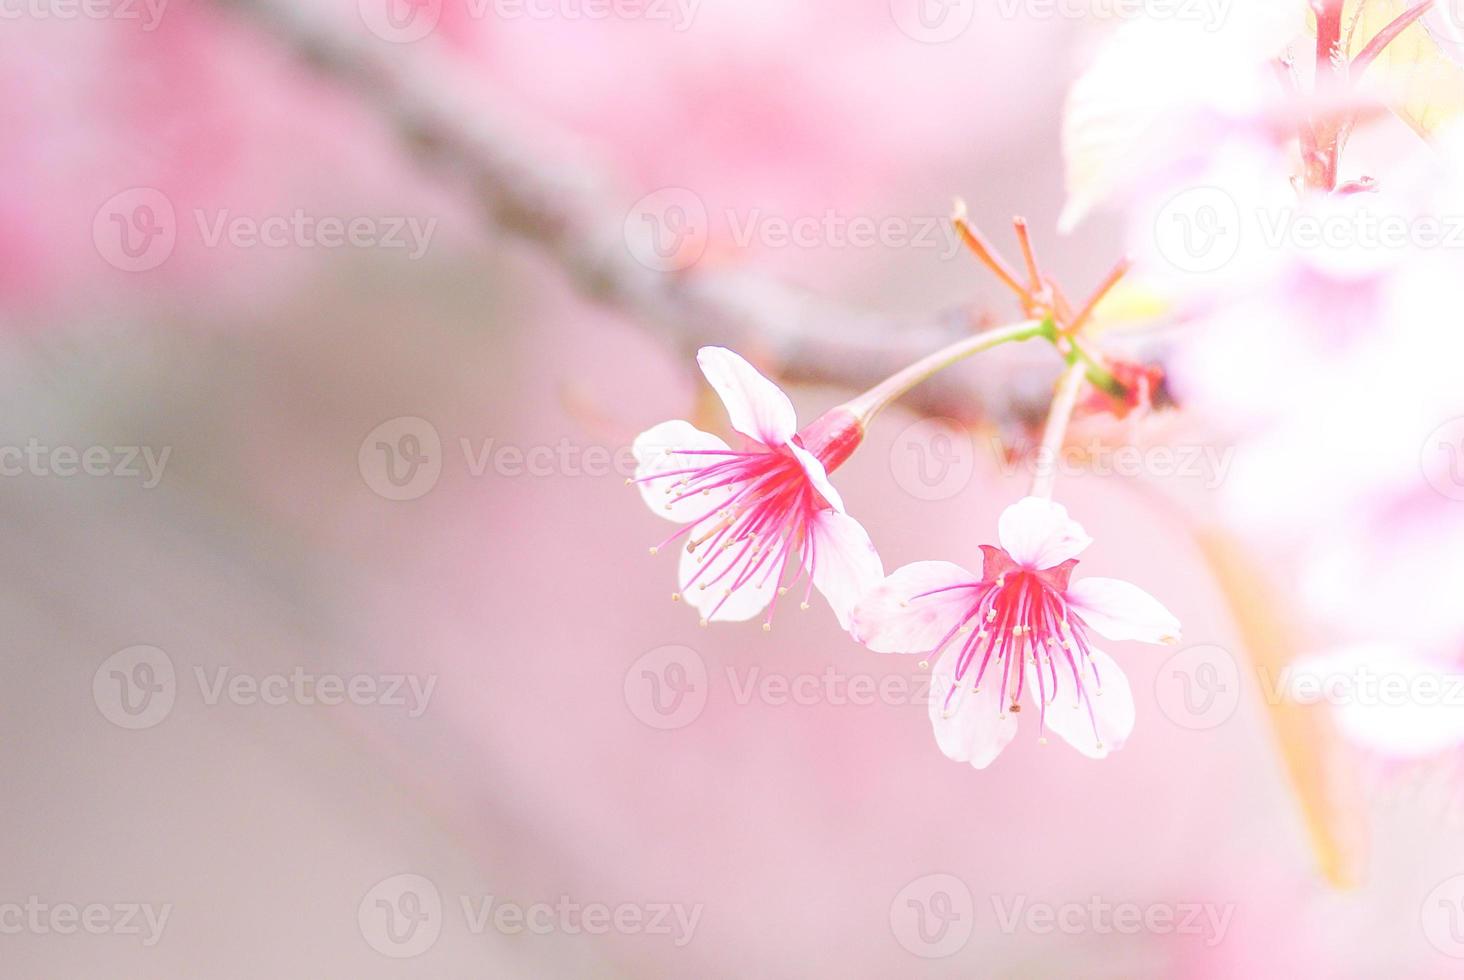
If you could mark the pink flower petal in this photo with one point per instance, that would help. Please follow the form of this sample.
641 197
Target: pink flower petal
972 726
651 457
1113 708
727 566
1039 534
756 407
889 620
845 564
1122 611
817 476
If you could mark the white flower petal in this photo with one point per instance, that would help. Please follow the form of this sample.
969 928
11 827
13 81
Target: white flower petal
651 457
972 726
745 602
1122 611
1039 534
845 563
1113 709
817 476
756 407
888 620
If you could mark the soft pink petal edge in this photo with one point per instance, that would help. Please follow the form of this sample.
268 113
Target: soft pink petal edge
1113 709
845 563
756 407
651 457
1039 534
818 476
887 620
743 604
976 729
1122 611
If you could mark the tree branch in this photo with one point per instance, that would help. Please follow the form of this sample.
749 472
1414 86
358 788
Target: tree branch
560 206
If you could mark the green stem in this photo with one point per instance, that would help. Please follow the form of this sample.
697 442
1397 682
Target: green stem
869 404
1098 375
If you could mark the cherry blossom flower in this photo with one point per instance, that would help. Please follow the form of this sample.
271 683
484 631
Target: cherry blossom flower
757 518
1020 626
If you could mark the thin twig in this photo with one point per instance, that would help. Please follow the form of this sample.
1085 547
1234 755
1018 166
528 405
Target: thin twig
564 207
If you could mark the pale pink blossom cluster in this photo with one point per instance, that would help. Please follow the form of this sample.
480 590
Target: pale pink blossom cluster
754 521
1326 346
1320 341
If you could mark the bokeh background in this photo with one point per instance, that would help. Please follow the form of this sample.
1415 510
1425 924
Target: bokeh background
578 739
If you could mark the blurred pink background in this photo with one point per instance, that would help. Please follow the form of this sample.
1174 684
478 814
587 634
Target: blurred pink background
275 834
